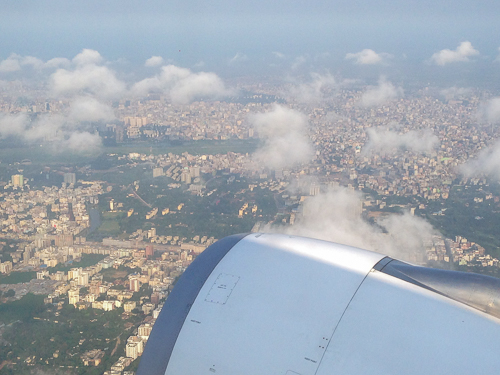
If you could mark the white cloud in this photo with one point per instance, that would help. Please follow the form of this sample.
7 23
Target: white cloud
57 62
279 55
10 64
87 77
239 57
35 62
299 61
16 62
455 92
82 142
486 162
89 109
490 111
182 85
87 57
383 140
462 53
378 95
68 131
313 91
368 57
46 128
13 124
284 135
154 61
336 216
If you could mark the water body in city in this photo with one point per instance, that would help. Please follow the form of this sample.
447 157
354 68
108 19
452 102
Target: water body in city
95 219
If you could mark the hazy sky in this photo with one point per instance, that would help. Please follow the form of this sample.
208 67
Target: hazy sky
237 37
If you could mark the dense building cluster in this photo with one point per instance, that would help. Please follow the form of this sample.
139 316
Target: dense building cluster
409 148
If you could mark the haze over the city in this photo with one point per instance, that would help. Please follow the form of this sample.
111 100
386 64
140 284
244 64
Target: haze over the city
356 39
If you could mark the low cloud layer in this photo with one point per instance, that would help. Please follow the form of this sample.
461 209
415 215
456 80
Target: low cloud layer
283 132
182 85
490 111
87 77
88 81
64 132
299 61
377 95
487 162
13 124
387 141
446 56
314 90
88 74
82 142
89 109
15 62
368 57
335 216
455 92
154 61
10 64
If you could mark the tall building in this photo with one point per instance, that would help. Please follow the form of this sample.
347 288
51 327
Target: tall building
129 306
6 267
135 121
74 296
131 350
83 279
155 298
64 240
195 171
157 172
149 251
314 190
135 347
17 180
26 255
134 283
119 134
144 330
74 273
70 178
186 177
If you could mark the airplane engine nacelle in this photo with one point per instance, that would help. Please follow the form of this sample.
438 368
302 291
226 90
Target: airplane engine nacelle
276 304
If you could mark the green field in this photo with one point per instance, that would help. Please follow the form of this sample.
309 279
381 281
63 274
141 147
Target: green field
462 216
110 224
38 334
23 309
17 277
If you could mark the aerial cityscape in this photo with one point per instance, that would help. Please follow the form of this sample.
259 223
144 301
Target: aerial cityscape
116 174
